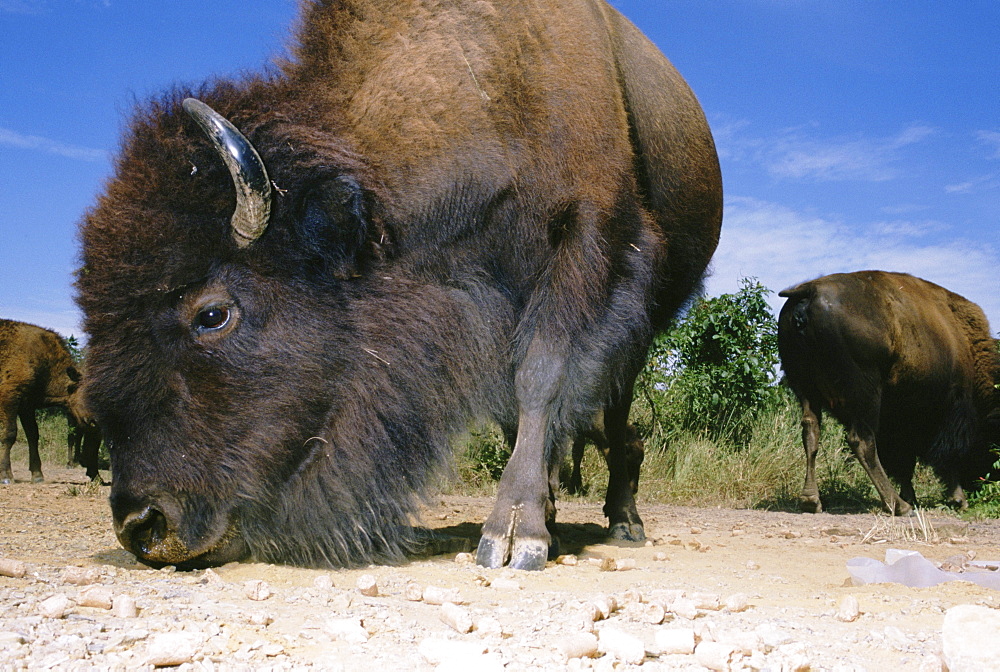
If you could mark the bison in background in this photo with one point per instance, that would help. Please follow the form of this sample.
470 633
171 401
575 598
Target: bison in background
36 371
298 287
908 368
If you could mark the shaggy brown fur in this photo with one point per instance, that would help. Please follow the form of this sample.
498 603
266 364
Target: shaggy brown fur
482 209
36 370
906 366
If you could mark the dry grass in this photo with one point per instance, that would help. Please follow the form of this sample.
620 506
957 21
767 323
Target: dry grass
915 528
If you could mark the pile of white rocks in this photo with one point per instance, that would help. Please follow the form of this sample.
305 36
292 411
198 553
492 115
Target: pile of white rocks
111 618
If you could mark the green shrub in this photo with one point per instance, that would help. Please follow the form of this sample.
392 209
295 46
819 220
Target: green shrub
717 367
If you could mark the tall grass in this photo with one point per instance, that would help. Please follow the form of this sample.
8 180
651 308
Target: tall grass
760 465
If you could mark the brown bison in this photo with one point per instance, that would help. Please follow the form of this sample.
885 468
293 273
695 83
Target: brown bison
300 286
36 371
906 366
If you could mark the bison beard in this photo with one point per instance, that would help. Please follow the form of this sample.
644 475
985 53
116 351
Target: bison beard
441 216
907 367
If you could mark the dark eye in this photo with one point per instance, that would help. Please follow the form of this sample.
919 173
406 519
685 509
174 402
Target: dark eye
211 318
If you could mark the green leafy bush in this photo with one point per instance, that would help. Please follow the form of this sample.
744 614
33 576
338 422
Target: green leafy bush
717 367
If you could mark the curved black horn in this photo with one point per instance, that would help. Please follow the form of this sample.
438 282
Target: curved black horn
253 188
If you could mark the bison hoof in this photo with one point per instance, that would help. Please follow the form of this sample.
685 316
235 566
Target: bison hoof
491 553
6 480
810 505
627 532
527 554
37 478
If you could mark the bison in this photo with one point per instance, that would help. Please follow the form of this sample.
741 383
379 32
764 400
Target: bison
299 286
37 371
907 367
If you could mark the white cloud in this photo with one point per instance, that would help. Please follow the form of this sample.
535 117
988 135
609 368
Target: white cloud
22 6
974 185
782 247
992 139
798 154
34 142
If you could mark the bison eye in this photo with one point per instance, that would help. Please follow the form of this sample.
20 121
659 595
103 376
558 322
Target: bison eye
211 318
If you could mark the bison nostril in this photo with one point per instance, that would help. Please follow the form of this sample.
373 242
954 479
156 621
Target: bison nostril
143 530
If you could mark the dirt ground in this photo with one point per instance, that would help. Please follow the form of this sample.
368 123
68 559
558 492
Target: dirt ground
752 589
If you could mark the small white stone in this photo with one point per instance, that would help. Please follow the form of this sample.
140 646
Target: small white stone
744 642
55 606
413 592
97 597
606 605
772 636
12 568
624 564
123 606
621 645
715 655
684 607
737 602
323 582
971 638
435 595
849 610
81 576
578 645
465 559
258 617
660 556
707 601
568 560
501 583
487 626
652 613
674 641
367 585
169 649
212 578
349 630
257 590
456 617
438 651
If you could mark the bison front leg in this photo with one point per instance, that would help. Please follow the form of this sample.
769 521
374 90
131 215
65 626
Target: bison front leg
809 501
516 532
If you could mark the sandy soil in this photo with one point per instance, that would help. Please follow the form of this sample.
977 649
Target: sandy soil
789 569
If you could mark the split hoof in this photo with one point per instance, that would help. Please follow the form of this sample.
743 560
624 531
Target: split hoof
633 532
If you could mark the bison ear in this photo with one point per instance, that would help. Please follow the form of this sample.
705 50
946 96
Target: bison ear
333 227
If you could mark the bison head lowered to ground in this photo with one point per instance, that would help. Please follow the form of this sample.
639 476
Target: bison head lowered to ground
906 366
299 287
37 370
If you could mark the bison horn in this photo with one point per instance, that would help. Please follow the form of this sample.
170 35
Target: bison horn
253 188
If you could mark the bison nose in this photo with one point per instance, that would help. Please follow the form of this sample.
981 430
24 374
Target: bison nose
147 534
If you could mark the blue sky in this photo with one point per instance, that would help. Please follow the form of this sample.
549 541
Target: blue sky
853 134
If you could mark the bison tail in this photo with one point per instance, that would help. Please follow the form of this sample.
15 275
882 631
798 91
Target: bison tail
796 309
